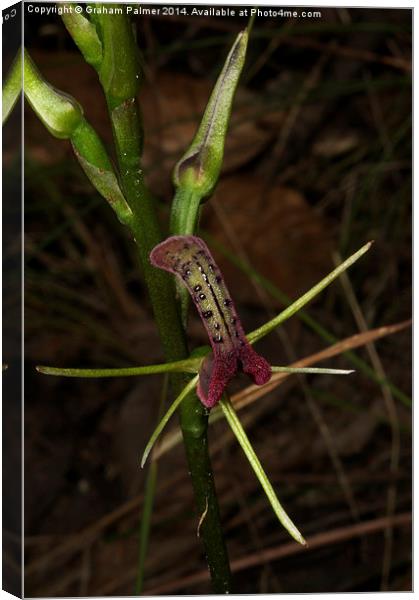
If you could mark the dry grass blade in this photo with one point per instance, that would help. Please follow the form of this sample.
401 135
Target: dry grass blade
253 392
270 554
76 543
391 408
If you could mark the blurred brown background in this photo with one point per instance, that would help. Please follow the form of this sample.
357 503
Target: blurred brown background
318 161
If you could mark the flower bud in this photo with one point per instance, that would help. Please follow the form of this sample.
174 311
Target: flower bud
60 113
200 166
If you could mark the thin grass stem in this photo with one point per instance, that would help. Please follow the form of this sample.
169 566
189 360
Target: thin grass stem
149 494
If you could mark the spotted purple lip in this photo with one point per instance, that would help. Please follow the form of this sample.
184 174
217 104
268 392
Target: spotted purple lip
189 258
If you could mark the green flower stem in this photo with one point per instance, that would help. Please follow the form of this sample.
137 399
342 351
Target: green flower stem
195 177
184 214
259 333
119 77
194 424
12 86
84 35
236 426
184 218
119 72
146 231
189 365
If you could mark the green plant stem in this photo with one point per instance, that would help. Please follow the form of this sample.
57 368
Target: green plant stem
184 222
193 418
196 443
145 228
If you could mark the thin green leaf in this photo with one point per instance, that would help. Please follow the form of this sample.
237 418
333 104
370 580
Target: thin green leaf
315 370
236 426
259 333
162 424
189 365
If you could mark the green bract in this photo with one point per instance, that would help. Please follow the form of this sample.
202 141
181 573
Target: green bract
60 113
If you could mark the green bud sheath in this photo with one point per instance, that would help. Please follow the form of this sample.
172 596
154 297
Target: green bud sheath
200 166
60 113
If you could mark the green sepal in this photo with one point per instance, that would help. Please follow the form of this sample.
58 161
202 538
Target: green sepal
293 308
60 113
200 166
237 428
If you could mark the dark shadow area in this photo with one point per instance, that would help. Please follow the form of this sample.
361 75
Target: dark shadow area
12 320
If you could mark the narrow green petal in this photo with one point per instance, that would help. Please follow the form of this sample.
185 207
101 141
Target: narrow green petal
244 442
259 333
162 424
315 370
190 365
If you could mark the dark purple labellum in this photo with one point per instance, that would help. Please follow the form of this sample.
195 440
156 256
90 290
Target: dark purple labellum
188 257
